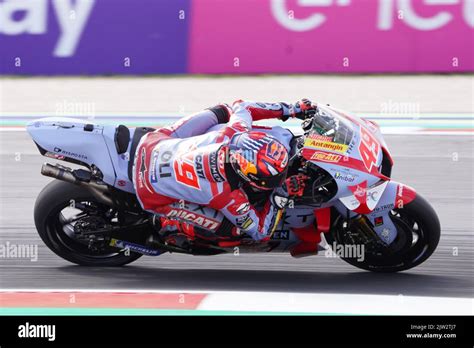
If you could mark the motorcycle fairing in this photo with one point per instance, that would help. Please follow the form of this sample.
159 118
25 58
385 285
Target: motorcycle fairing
119 161
388 196
84 142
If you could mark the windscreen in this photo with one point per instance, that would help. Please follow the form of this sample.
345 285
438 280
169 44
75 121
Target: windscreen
329 132
329 126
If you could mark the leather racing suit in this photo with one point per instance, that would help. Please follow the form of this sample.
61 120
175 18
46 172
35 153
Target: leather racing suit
181 172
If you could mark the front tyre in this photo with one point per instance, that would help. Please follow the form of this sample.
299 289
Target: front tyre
418 233
59 208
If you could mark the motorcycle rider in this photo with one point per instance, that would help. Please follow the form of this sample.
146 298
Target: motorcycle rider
192 169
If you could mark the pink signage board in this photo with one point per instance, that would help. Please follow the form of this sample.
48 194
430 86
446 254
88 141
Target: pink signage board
325 36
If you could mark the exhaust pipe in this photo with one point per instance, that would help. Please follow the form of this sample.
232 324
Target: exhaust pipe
99 191
59 172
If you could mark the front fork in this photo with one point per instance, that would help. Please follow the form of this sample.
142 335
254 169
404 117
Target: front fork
365 227
378 220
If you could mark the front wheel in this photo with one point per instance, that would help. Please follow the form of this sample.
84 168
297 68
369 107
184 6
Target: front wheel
418 233
63 213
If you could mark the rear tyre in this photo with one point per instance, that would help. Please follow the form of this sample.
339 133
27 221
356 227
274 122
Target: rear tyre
418 236
53 205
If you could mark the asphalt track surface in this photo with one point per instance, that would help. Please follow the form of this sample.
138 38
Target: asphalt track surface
439 167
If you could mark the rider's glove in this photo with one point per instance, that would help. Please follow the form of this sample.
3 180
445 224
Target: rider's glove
296 184
303 109
279 197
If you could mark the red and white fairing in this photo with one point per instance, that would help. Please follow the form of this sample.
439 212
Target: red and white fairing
355 160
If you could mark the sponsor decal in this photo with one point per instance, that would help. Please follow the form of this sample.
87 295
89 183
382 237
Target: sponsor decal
39 14
343 169
280 201
142 169
199 166
325 145
405 194
350 202
153 178
70 154
164 165
344 177
54 155
281 235
221 160
386 234
378 221
319 137
326 157
243 208
372 195
121 183
360 191
400 190
216 165
194 218
384 207
368 197
133 247
244 222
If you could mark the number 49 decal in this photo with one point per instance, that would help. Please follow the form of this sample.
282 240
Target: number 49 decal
368 148
185 172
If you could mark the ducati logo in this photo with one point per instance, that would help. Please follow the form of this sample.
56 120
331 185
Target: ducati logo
194 218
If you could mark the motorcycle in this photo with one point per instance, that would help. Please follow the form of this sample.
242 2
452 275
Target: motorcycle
89 214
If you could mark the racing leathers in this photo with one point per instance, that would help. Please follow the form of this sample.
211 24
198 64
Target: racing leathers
182 171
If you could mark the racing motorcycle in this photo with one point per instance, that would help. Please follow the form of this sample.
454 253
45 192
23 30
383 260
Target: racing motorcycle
89 214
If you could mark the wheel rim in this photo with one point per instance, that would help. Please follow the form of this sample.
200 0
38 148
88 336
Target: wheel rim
409 246
419 244
60 225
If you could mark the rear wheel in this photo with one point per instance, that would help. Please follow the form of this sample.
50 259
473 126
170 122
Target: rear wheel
64 213
418 233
